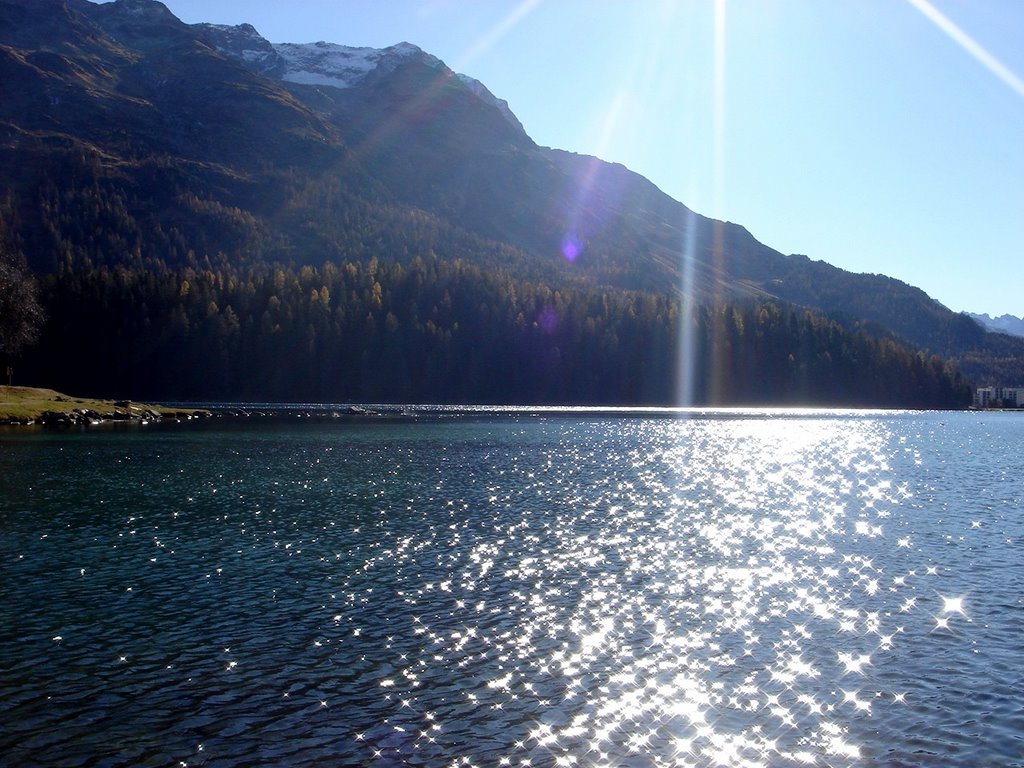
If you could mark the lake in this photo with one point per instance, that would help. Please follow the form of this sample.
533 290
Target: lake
460 588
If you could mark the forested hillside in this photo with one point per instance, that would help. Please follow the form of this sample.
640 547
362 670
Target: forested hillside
452 332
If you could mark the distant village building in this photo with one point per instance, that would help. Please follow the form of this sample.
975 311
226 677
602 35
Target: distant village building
999 397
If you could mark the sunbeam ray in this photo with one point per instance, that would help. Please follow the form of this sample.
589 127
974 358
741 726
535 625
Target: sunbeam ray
687 354
970 45
719 109
498 31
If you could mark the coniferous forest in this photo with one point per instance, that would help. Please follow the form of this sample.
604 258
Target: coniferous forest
451 332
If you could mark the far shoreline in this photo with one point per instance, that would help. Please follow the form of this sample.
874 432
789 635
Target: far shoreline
26 406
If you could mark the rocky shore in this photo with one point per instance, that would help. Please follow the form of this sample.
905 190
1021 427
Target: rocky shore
84 417
29 405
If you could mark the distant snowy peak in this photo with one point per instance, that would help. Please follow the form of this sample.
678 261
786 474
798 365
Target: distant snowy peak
329 64
1003 324
242 42
342 66
339 66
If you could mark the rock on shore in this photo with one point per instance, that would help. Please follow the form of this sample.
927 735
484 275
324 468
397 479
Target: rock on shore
29 405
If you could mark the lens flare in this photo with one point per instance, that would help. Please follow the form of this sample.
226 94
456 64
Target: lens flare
548 319
571 247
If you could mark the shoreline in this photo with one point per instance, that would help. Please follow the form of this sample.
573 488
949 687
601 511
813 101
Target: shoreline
25 406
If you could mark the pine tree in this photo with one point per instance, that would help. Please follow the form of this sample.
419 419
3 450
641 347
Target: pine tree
21 315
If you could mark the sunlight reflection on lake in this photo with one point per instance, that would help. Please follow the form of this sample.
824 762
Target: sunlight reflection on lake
758 590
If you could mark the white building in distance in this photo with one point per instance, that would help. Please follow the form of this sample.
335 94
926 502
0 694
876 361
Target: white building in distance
999 397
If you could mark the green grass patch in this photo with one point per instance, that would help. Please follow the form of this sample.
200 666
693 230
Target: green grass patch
19 404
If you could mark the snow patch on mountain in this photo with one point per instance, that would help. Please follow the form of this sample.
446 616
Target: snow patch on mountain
342 66
242 42
481 92
329 64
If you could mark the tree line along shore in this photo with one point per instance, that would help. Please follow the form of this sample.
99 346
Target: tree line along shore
450 332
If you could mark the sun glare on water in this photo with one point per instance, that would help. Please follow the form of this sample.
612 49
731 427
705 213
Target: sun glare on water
695 617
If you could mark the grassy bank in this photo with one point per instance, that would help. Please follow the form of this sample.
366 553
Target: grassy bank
31 404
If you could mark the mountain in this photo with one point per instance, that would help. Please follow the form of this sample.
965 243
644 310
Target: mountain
1014 326
328 64
130 139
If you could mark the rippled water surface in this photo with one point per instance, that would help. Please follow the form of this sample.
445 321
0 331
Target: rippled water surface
753 589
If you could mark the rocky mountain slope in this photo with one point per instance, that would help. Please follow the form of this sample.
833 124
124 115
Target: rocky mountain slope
127 136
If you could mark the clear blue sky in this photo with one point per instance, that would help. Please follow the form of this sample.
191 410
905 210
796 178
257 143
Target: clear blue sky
877 135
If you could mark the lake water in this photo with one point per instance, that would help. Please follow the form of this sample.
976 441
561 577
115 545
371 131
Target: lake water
723 589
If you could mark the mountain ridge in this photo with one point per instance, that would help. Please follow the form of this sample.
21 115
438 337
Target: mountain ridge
180 142
1006 323
329 64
